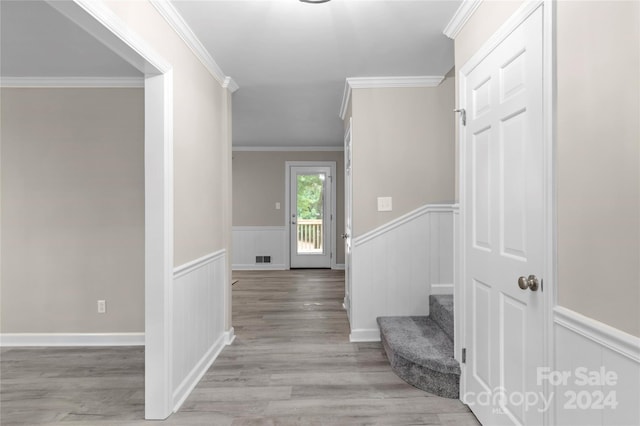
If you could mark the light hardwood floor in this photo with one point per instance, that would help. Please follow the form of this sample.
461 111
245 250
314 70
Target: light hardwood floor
291 364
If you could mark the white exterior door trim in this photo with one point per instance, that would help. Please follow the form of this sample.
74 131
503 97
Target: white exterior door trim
287 207
550 235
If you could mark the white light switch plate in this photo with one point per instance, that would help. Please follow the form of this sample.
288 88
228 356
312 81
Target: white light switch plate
277 206
385 204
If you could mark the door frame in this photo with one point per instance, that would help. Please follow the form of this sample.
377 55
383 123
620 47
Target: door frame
549 295
102 23
348 215
287 207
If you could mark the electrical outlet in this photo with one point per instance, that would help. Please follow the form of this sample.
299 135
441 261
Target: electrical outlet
102 306
385 204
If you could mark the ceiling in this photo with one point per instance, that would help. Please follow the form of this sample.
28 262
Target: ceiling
38 41
289 58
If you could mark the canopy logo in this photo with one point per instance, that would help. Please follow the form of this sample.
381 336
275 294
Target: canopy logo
586 391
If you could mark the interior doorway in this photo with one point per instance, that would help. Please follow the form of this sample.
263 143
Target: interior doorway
311 214
98 20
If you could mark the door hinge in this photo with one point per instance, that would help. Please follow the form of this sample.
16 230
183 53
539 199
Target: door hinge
541 285
463 115
464 355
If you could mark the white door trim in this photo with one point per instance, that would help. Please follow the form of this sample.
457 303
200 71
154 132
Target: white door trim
347 236
287 206
101 22
549 102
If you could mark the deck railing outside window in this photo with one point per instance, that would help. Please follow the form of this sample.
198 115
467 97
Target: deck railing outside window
310 236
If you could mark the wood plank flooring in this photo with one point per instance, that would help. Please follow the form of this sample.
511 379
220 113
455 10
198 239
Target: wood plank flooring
291 364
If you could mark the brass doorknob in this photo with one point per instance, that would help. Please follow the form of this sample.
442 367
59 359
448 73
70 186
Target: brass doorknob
530 283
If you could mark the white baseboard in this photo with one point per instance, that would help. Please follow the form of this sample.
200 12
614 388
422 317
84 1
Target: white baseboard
364 335
437 289
259 267
193 378
229 336
339 266
71 339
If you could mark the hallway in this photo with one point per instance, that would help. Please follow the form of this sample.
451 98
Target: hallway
291 364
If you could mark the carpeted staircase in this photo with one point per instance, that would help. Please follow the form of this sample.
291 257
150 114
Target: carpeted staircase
420 349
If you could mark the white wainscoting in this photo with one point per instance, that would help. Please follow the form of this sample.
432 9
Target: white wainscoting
582 342
198 321
397 266
251 241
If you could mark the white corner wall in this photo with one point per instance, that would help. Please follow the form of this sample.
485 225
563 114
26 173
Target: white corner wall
251 241
198 322
397 266
586 346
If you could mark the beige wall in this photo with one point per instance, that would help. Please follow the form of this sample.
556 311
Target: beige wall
200 137
259 182
403 147
72 164
598 159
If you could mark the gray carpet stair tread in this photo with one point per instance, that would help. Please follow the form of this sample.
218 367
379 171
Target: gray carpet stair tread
420 340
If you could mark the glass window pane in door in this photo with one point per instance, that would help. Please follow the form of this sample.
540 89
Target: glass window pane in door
310 211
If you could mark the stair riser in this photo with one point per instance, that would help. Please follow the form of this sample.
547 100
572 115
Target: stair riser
441 384
442 314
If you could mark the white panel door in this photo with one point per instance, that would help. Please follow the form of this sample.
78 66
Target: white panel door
503 219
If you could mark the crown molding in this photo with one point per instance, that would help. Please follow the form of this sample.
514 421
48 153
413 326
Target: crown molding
462 15
346 97
287 148
230 84
385 83
177 22
69 82
393 82
99 20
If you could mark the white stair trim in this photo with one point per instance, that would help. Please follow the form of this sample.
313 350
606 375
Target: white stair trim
429 208
364 335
